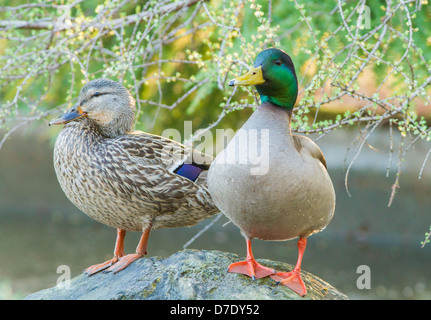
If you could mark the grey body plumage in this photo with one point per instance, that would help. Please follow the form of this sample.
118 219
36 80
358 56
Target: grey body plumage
294 197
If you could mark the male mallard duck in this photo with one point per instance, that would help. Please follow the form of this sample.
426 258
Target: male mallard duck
286 192
129 180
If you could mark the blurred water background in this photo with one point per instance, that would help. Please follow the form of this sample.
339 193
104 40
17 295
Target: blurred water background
41 230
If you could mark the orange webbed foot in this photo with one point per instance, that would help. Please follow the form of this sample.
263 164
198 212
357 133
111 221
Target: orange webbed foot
291 280
92 270
251 268
124 262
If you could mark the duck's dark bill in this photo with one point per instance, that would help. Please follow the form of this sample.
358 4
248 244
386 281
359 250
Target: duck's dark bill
72 114
253 77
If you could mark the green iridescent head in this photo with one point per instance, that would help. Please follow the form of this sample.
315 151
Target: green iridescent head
274 76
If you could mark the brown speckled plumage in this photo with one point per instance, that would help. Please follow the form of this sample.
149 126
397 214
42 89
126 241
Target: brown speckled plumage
122 178
124 183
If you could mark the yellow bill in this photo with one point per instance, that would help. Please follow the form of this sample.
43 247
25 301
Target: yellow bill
253 77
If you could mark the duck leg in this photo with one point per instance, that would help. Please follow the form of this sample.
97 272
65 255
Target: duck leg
141 250
250 266
293 278
118 253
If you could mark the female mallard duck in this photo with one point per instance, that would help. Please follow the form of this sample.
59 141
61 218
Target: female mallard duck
129 180
291 195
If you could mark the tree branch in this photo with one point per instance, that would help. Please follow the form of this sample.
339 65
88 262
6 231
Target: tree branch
58 25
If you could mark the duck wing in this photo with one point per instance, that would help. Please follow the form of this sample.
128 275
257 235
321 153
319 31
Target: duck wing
305 144
154 171
164 153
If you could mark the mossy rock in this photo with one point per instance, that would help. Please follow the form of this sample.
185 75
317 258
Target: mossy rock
186 275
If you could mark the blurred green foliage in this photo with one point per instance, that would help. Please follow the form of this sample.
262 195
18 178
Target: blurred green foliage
176 61
176 58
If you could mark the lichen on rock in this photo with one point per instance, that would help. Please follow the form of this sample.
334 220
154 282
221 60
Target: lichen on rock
186 275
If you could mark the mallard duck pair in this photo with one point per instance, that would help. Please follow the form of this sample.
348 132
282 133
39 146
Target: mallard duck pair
135 181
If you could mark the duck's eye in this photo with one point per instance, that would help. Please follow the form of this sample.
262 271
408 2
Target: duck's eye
278 62
96 94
